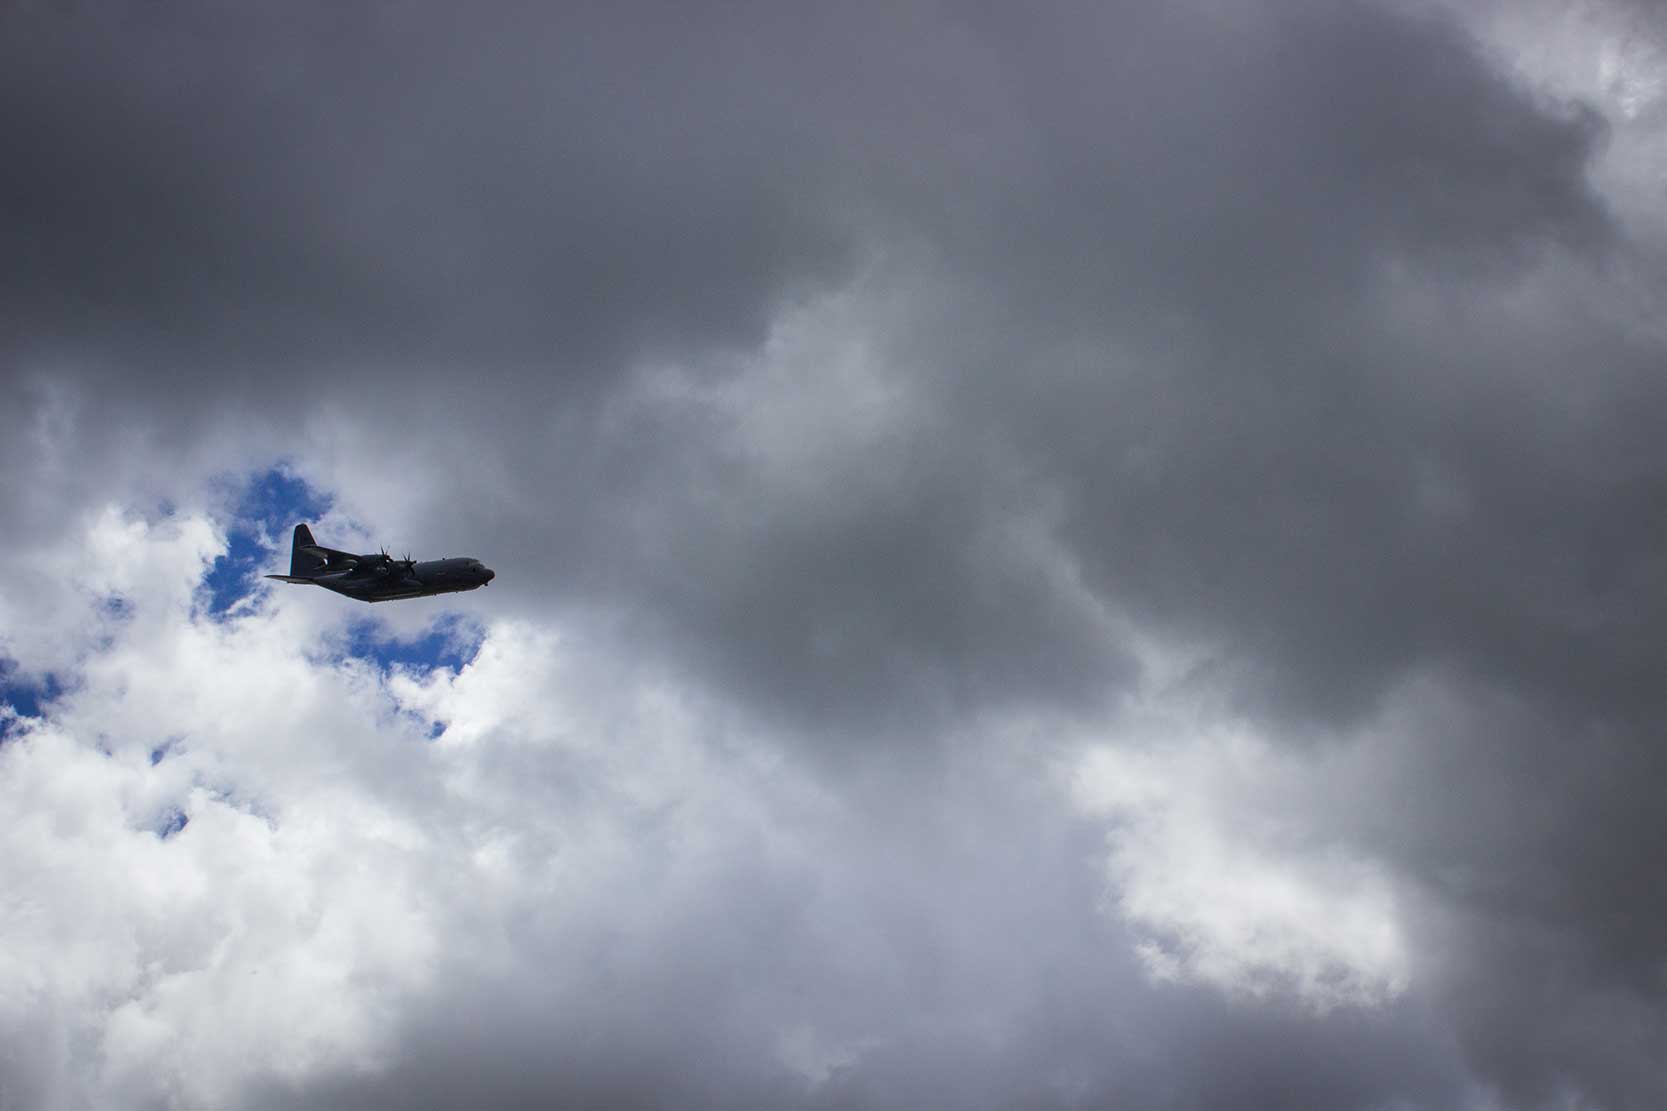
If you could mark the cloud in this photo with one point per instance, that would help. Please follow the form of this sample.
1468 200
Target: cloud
1200 861
595 881
986 510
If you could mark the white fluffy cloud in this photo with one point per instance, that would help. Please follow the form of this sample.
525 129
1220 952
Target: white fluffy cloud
270 931
578 822
1213 857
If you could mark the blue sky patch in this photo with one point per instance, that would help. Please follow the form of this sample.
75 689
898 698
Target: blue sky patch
269 507
448 642
161 751
24 696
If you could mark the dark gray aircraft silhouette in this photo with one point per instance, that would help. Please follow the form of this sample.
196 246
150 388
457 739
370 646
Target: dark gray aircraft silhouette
378 577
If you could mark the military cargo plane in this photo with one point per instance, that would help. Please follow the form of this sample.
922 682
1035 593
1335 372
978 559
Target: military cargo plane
378 577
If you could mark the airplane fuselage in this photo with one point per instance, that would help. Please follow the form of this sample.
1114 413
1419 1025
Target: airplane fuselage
379 577
376 582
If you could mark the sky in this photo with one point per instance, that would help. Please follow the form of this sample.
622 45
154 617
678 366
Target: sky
1048 556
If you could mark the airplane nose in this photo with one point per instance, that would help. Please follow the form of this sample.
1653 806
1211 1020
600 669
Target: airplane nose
490 575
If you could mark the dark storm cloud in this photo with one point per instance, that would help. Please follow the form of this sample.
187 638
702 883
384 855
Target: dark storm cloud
1174 310
1252 453
1532 831
1283 327
289 190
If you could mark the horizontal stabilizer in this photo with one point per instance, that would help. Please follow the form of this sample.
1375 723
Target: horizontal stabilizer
289 578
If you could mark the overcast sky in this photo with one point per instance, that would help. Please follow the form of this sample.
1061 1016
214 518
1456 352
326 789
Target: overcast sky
1048 556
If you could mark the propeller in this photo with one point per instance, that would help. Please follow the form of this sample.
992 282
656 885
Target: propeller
386 563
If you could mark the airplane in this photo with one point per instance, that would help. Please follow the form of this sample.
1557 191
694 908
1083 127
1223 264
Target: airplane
378 577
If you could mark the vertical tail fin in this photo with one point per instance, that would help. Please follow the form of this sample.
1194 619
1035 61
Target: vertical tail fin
304 558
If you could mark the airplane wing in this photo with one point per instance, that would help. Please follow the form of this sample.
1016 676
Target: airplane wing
329 555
